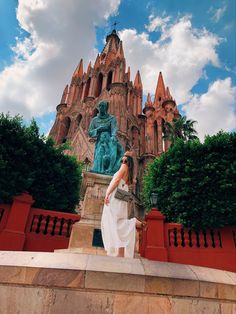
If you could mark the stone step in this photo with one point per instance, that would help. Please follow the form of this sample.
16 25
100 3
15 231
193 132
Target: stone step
83 250
91 251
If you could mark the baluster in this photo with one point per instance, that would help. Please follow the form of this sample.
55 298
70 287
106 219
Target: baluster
182 237
197 238
46 225
218 242
190 238
194 239
214 239
205 239
34 223
209 238
219 238
186 237
175 237
69 228
172 237
178 237
43 224
61 226
54 219
50 225
64 227
57 226
201 239
39 223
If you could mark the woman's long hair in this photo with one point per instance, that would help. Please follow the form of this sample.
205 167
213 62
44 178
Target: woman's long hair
130 164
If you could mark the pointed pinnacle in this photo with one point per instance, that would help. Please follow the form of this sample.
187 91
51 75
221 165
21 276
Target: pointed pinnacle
138 81
64 95
128 73
89 67
168 95
79 70
148 102
97 62
160 89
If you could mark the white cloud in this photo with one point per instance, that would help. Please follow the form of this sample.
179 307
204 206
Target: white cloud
60 33
217 13
214 110
181 53
156 23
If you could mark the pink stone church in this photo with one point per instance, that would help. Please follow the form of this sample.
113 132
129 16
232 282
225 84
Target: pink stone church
140 128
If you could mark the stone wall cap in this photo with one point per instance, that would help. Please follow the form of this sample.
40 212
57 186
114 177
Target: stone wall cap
107 264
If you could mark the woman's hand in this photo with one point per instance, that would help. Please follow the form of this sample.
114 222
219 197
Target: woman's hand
106 200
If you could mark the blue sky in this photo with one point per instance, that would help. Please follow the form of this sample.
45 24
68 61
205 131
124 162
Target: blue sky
192 42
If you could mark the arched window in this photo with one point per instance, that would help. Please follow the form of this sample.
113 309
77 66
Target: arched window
99 85
163 141
87 164
78 120
87 88
109 80
155 138
135 137
81 91
137 188
65 129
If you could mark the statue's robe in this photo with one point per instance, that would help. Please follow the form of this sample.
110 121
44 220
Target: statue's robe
110 124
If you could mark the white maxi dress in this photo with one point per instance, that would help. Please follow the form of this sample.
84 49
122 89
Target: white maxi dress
117 230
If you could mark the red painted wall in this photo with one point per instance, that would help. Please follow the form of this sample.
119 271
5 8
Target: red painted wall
171 242
23 228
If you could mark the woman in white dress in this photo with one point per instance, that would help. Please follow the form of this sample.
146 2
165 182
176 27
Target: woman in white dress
118 232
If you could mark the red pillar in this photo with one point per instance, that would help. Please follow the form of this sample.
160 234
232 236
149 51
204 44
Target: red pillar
155 243
13 236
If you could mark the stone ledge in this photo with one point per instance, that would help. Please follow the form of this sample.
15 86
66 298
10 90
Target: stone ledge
137 266
83 271
39 282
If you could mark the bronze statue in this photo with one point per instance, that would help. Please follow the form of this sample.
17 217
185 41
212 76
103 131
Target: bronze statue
108 151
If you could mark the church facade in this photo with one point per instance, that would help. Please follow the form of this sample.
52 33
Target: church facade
140 128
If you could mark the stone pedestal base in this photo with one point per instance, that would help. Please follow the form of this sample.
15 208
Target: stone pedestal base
83 234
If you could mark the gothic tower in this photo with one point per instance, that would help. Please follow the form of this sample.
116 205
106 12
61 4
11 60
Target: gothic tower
139 129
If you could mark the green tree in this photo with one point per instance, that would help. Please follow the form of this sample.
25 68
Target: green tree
195 182
180 128
30 162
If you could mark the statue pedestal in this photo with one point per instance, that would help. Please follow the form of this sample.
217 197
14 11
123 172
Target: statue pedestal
85 234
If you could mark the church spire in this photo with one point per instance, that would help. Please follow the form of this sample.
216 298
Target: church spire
168 95
89 67
148 102
128 73
160 90
97 62
112 44
138 81
79 70
64 95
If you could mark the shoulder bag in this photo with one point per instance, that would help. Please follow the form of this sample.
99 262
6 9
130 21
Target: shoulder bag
122 195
